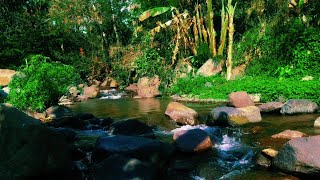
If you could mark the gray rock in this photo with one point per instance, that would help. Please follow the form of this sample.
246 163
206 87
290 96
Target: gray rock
296 106
300 156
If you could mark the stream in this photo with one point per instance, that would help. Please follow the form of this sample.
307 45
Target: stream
233 155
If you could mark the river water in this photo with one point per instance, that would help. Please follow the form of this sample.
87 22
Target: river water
235 149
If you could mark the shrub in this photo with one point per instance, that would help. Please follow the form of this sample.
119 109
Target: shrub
270 88
40 83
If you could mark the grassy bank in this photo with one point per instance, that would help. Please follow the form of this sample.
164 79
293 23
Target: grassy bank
269 88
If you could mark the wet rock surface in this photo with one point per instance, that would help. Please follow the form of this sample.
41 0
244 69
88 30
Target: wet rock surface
300 156
192 141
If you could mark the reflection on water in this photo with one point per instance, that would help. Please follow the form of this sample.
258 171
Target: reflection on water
232 155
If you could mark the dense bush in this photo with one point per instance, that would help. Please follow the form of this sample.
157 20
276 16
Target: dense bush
40 83
270 88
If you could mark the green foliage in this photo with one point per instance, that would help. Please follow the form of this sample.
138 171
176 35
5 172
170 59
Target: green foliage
40 83
151 64
270 88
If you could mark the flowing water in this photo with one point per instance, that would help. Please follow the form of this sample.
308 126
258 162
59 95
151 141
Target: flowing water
232 157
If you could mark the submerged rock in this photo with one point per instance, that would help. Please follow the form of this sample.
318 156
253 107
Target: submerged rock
122 167
194 140
28 148
131 127
297 106
300 156
181 114
289 134
240 99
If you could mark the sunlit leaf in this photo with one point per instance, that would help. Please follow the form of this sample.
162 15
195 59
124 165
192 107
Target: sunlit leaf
153 12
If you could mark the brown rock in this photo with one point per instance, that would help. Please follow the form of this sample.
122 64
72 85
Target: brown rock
240 99
289 134
59 111
235 116
271 107
114 84
194 140
181 114
5 76
209 68
252 113
91 92
132 87
148 87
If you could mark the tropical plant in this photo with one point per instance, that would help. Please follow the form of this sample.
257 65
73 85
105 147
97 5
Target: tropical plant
40 83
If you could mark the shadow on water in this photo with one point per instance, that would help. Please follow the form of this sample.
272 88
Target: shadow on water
232 156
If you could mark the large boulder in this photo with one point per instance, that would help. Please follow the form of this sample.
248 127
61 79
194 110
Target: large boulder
181 113
300 156
240 99
234 116
192 141
271 107
131 127
150 150
28 148
6 76
122 167
148 87
91 91
296 106
289 134
209 68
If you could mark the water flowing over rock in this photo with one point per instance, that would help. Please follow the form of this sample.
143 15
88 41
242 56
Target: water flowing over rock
194 140
131 127
181 113
122 167
150 150
271 107
240 99
234 116
297 106
29 149
209 68
300 156
6 76
289 134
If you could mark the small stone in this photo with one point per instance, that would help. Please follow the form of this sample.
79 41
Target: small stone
270 152
289 134
317 123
